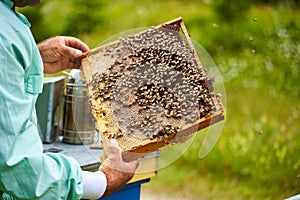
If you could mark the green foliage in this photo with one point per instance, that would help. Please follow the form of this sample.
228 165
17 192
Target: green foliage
231 10
85 17
256 48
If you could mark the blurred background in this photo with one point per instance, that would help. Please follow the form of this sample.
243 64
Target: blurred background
256 47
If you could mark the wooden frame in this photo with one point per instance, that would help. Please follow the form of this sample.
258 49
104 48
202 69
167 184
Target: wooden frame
152 145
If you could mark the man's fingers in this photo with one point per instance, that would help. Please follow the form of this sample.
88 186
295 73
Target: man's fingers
71 52
134 165
76 43
73 47
74 65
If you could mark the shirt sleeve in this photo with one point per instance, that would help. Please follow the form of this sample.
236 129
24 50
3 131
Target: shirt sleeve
25 171
94 184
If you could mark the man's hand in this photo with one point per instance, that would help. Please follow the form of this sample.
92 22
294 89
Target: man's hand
117 172
61 52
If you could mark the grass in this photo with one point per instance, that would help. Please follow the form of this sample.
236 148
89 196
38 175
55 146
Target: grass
186 183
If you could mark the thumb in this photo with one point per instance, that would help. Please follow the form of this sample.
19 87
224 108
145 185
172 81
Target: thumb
114 151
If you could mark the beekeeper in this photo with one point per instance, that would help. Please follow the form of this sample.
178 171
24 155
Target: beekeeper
25 171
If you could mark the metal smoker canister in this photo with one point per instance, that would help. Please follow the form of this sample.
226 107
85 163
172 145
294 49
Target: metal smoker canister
78 125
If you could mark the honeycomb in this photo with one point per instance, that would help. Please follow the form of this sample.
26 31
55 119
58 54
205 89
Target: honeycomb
149 90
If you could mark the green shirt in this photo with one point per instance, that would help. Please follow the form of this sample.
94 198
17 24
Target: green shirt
25 171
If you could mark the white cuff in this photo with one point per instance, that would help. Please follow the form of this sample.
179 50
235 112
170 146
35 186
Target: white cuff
94 184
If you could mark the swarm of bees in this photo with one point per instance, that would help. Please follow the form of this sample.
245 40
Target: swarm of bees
148 85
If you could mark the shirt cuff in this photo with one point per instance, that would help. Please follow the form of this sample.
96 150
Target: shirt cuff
94 184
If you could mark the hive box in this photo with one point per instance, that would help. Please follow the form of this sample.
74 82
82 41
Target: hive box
47 107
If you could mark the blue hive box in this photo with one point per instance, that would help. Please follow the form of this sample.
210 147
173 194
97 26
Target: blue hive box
130 191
